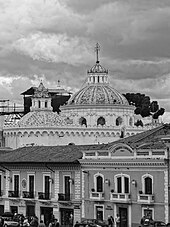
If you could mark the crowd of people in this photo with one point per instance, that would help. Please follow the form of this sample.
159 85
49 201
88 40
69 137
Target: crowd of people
30 221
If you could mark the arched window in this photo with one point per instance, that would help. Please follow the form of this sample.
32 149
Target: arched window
101 121
82 121
122 183
130 121
119 121
99 184
148 185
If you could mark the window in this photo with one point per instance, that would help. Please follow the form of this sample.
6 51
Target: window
31 186
45 104
147 184
16 185
98 181
82 121
101 121
122 184
119 121
99 184
39 104
67 187
47 186
148 212
0 185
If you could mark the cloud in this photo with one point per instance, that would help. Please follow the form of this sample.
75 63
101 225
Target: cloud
54 48
56 38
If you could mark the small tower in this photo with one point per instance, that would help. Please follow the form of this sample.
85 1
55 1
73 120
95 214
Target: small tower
41 100
97 74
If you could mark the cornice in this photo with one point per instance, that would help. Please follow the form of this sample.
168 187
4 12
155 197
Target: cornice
136 164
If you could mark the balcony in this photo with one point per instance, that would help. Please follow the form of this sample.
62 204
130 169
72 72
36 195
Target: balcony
97 195
120 197
28 195
13 194
146 198
44 195
64 197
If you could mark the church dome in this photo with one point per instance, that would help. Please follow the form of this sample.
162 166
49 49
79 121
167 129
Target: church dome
99 94
97 91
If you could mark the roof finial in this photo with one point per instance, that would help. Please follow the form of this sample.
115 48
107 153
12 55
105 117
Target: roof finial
97 49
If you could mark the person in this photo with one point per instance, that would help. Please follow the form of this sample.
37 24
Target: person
110 221
56 223
42 224
117 220
34 222
1 222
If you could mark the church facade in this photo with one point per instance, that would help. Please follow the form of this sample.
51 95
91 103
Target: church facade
97 113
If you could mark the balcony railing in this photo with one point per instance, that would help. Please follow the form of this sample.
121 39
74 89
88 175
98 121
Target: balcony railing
120 197
28 195
13 194
146 198
97 195
64 197
44 196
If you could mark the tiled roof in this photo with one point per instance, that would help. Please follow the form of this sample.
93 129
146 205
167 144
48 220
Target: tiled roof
46 154
143 137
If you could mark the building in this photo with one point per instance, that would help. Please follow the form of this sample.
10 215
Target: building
129 177
41 181
97 113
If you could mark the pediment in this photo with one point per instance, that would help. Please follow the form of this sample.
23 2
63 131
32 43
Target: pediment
121 149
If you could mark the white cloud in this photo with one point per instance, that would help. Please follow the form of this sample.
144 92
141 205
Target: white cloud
54 48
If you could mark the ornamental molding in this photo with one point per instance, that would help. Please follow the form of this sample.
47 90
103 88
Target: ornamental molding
125 164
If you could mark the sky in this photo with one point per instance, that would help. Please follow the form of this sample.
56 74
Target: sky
53 40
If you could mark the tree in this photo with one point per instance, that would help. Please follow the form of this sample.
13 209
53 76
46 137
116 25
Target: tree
144 106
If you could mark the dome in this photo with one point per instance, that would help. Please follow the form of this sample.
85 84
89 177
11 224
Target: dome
40 118
99 94
97 91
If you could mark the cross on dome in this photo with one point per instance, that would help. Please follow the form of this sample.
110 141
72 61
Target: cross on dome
97 49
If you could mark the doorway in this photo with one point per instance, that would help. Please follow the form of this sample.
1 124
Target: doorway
67 218
123 216
30 210
14 209
1 209
46 214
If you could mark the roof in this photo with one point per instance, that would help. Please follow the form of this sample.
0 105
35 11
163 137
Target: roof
71 153
46 154
152 135
58 90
